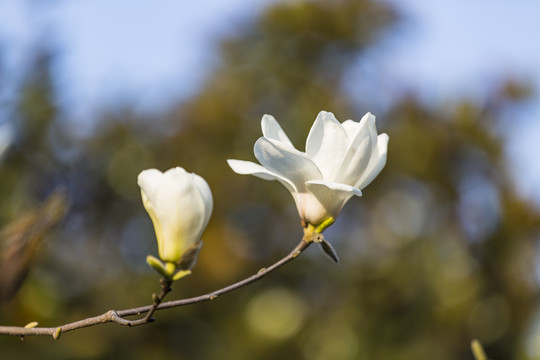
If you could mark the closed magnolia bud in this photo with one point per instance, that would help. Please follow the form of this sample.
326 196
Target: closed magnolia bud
179 204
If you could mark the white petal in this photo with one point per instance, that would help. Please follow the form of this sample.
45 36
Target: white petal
327 144
326 200
179 204
359 153
366 127
206 196
181 212
376 164
372 129
351 127
177 174
272 130
286 162
338 189
148 180
243 167
250 168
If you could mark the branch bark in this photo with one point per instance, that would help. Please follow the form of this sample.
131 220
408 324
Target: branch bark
118 316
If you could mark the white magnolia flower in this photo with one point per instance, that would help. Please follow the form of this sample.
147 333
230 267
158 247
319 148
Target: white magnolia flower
179 204
340 160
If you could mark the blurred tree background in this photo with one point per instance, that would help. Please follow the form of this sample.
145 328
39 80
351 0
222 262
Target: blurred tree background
440 249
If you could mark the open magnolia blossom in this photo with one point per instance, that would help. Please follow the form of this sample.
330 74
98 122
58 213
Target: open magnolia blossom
179 204
340 160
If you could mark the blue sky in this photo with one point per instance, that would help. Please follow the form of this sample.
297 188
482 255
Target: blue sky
451 46
459 48
445 49
146 53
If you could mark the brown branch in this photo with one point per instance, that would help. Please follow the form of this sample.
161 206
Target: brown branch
165 289
118 316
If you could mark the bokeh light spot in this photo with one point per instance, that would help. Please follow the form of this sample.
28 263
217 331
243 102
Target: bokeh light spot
276 313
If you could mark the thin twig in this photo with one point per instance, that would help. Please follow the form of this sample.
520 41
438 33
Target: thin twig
118 316
165 289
